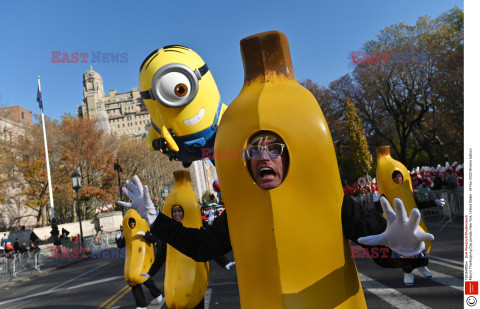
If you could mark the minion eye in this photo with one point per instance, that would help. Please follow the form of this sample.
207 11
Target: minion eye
181 90
174 86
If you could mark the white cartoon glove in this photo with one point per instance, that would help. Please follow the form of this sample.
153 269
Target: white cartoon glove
141 200
402 234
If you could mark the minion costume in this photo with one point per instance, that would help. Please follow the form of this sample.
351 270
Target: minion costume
183 101
298 265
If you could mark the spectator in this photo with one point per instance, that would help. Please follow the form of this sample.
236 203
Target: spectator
23 247
450 180
34 247
437 182
4 239
65 233
9 250
16 246
33 237
210 214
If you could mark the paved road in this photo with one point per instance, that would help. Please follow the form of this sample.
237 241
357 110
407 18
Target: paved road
99 283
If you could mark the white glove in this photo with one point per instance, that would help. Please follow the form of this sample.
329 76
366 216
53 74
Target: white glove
145 275
141 200
141 233
229 265
401 235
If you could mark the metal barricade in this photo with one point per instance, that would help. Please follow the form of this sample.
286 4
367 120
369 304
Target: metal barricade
451 202
5 269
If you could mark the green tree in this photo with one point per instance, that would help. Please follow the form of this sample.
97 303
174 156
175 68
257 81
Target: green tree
361 154
413 101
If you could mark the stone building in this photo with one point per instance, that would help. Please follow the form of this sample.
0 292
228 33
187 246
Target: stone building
14 121
118 113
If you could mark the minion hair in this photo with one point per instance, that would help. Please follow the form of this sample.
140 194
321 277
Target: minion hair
155 52
176 46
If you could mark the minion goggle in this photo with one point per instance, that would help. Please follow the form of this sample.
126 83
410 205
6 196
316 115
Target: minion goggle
175 85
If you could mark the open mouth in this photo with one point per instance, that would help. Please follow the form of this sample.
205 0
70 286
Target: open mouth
196 119
266 173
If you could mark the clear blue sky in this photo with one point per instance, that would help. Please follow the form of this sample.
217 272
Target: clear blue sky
321 34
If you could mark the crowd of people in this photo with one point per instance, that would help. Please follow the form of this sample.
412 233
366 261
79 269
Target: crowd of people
9 250
423 178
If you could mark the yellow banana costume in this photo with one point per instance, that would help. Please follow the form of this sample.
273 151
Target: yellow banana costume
386 165
183 101
284 260
185 280
140 254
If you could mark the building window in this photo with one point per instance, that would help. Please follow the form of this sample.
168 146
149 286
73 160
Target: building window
23 116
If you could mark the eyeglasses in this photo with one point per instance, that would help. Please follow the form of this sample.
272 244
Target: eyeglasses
175 85
274 150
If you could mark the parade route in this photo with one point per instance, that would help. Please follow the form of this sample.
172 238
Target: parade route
99 283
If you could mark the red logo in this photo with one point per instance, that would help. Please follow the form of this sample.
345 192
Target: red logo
471 287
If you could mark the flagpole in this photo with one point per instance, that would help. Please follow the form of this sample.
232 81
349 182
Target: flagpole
46 151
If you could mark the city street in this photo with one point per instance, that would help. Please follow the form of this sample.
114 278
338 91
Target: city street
99 283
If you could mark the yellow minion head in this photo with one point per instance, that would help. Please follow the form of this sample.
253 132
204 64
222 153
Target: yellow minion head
180 94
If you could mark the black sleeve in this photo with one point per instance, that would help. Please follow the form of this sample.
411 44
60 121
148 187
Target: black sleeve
160 257
222 260
200 244
358 221
120 242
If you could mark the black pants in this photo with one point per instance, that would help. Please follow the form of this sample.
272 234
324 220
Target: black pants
138 292
407 265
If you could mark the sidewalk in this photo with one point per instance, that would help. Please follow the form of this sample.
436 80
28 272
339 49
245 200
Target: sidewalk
49 264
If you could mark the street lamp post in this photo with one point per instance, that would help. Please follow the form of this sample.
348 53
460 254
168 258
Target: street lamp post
118 168
77 185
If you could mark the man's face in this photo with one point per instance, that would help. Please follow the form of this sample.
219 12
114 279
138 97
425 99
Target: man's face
398 179
269 166
132 224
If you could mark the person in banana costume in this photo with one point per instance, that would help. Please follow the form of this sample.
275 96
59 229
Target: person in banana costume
280 163
394 181
183 101
140 263
185 280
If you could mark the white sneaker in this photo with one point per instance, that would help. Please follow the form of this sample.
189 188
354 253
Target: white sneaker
408 278
141 307
424 271
157 301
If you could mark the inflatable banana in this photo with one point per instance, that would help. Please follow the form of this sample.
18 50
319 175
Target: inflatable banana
386 166
140 254
185 280
183 101
285 258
